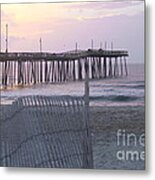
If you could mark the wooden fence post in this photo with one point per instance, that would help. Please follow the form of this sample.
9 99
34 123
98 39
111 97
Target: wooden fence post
89 153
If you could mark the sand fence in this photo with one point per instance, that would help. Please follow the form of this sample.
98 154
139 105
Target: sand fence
45 131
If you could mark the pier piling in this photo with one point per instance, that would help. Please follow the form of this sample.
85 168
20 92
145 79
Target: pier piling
34 68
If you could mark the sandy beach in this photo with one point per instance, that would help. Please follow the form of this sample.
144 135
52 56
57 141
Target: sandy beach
106 121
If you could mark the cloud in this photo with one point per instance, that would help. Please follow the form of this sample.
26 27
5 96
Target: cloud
33 13
62 24
99 10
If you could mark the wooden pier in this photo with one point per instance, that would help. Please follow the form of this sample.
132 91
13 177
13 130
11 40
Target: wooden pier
33 68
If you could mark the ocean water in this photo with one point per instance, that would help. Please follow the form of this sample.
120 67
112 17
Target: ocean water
126 91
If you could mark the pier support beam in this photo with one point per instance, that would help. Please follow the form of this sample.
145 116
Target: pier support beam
125 64
105 67
46 68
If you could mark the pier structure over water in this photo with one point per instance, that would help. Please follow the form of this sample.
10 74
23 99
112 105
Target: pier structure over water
25 68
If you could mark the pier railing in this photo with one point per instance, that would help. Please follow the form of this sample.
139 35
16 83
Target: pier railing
61 56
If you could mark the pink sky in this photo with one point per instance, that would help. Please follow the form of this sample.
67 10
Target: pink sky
60 25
